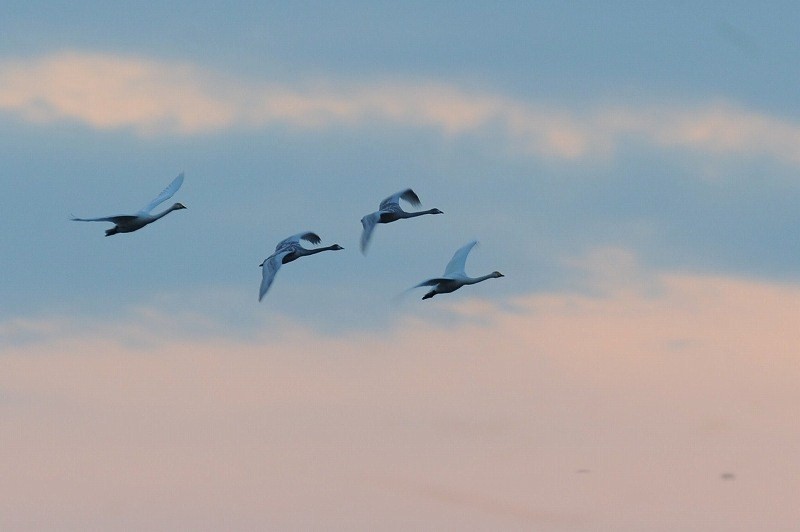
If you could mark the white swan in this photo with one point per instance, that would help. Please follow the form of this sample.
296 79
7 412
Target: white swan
390 211
131 222
288 250
454 276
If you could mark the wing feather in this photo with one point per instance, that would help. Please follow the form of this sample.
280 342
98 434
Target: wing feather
310 237
368 222
407 194
411 197
433 282
269 268
167 193
293 240
112 219
456 265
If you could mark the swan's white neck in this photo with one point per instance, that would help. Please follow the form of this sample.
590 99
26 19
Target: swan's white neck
418 213
305 251
164 213
475 280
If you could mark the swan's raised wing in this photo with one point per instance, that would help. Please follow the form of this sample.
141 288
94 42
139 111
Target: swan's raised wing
308 236
166 194
268 270
368 222
456 265
411 197
113 219
407 194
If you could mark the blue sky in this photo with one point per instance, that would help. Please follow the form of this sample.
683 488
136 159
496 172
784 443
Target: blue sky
602 153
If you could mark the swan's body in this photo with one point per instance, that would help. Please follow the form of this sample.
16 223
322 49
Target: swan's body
454 276
128 223
390 211
286 251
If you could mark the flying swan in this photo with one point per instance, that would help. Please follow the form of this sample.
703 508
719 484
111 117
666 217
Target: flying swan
128 223
288 250
390 211
454 276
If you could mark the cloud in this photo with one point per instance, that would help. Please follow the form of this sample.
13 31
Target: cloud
467 424
717 128
107 91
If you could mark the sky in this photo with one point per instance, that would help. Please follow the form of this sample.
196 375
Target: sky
630 167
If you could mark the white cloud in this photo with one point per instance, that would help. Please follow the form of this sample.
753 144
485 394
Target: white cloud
154 97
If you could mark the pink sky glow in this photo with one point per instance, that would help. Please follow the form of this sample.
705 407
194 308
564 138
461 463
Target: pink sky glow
621 411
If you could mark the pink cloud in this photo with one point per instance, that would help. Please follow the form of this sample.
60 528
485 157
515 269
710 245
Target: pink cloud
107 91
653 394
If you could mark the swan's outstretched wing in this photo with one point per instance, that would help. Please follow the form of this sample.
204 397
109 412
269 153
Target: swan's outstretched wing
407 194
308 236
432 282
113 219
268 270
166 194
368 222
456 265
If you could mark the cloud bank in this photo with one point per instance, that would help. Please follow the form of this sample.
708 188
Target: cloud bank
622 411
107 91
